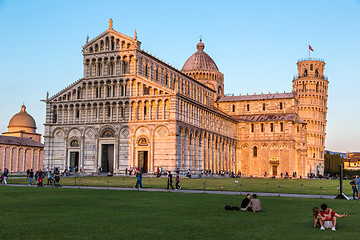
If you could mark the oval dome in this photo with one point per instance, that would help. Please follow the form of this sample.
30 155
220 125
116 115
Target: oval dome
200 60
22 120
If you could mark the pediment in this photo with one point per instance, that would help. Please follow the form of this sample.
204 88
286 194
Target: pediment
110 40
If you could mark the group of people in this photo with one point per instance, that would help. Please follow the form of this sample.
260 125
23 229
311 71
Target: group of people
170 181
53 177
356 190
251 204
326 217
138 174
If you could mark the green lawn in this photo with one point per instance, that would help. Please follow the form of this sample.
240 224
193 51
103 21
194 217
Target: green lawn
303 186
57 213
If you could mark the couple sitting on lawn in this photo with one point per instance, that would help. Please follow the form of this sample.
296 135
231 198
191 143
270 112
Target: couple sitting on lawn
326 217
252 205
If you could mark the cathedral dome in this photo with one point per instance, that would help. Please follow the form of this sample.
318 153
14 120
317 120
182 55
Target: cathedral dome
22 121
200 60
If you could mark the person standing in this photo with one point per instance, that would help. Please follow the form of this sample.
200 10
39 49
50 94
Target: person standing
353 185
139 179
358 184
49 178
177 181
31 175
170 181
36 177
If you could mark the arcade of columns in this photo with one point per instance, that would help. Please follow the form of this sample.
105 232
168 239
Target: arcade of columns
19 159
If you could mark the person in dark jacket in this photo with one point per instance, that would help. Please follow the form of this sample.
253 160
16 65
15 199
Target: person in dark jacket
170 181
245 202
31 175
353 185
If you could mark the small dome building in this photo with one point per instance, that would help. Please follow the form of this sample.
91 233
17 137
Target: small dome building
23 125
201 67
20 147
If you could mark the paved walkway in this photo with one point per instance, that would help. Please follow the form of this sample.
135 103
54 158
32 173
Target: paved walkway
193 191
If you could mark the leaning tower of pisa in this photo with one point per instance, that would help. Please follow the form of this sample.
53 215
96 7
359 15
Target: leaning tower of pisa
311 88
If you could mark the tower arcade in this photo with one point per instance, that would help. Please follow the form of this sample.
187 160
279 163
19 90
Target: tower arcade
311 88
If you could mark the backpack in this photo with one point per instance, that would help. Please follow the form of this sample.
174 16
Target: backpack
228 207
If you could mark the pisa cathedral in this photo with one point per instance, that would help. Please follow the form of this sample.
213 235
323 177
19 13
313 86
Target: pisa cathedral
132 109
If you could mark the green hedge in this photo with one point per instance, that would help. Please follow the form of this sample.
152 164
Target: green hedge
351 173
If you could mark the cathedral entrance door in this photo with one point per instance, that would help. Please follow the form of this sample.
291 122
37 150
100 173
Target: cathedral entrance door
74 160
143 160
107 157
274 170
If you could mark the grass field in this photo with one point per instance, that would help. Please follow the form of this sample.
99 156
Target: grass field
55 213
302 186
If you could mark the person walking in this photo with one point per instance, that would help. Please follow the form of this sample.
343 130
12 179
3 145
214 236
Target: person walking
170 181
6 172
353 185
36 177
177 181
139 179
31 175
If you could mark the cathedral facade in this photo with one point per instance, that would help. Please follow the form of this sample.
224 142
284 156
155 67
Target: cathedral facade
133 110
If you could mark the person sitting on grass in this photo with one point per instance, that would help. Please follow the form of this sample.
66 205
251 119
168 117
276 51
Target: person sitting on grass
245 202
328 218
254 205
317 216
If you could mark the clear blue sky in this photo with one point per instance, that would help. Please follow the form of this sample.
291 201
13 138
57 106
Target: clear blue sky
254 43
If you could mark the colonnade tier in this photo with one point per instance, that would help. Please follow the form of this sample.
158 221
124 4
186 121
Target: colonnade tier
142 109
201 150
19 159
87 89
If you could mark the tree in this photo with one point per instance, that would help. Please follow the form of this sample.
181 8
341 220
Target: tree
332 163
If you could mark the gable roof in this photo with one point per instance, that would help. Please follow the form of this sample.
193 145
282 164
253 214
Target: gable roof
257 97
19 141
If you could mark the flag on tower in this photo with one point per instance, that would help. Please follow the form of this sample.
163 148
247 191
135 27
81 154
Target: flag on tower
310 48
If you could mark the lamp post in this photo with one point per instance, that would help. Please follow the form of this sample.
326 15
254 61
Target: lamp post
341 195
